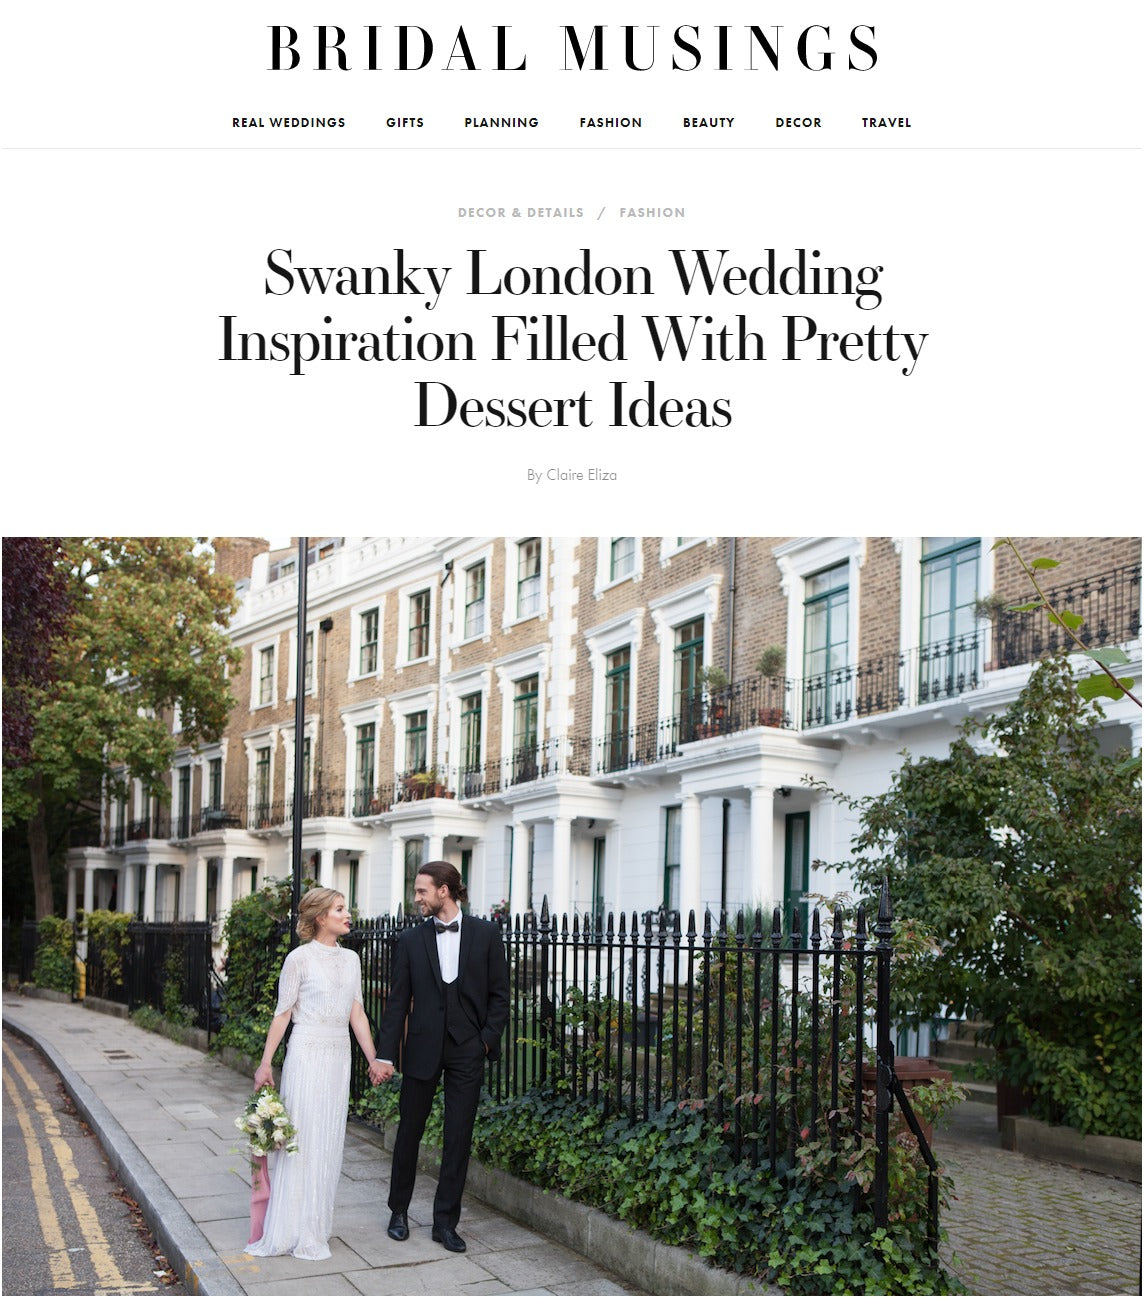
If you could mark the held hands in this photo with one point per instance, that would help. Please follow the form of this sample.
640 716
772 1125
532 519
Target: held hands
379 1072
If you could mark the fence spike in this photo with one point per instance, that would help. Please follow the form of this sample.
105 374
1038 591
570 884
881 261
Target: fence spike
564 924
623 924
691 930
776 928
611 919
576 924
860 925
740 931
815 928
836 934
884 913
544 909
795 926
675 924
706 923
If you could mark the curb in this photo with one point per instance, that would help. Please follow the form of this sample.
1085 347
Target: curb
649 1264
183 1244
1108 1155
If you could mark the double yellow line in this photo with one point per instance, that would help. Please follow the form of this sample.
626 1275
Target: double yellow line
107 1272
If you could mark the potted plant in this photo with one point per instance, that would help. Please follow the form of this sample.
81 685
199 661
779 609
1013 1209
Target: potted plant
713 681
771 665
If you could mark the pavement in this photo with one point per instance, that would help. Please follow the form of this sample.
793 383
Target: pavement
164 1113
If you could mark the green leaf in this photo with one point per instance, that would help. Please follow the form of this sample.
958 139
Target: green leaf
1029 607
1045 563
1109 657
1100 687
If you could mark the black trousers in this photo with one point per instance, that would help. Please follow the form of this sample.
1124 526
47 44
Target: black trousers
463 1069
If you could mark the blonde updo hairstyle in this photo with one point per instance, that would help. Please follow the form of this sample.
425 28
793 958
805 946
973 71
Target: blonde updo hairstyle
314 904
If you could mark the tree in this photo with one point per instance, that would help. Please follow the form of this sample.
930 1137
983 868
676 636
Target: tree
144 632
1019 853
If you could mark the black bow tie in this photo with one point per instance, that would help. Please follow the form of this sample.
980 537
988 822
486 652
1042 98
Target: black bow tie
454 927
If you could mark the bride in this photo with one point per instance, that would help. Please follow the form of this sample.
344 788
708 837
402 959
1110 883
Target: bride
320 989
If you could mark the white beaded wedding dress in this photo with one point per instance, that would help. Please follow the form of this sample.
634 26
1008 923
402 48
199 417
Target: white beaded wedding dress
320 984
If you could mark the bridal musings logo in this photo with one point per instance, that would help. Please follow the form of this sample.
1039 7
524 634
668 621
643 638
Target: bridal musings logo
817 47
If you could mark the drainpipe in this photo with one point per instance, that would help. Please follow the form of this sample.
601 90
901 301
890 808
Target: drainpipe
325 626
731 610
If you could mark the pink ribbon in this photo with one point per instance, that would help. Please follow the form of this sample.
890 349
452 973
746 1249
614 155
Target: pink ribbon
259 1197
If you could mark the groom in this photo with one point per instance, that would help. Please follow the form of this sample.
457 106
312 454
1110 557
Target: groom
450 985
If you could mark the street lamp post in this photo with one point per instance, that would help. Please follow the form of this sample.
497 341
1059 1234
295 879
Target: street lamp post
299 743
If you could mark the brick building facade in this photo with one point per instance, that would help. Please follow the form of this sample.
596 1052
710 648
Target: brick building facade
613 723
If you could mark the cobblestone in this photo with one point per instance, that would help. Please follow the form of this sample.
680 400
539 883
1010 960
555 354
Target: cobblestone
1022 1226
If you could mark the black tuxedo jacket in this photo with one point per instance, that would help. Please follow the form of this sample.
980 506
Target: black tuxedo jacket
417 993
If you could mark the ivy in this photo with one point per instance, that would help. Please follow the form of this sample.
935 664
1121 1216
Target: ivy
257 941
55 954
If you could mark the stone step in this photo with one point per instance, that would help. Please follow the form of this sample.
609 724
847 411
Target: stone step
980 1093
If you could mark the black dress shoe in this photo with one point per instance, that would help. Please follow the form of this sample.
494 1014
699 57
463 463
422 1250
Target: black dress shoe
398 1226
452 1241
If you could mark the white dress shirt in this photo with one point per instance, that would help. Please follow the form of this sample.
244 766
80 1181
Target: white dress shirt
449 950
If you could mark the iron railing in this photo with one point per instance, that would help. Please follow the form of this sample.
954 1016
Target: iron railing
787 1040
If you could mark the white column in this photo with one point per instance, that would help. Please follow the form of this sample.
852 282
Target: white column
149 891
691 844
225 885
561 900
201 868
88 887
130 888
436 847
518 901
760 879
397 875
71 891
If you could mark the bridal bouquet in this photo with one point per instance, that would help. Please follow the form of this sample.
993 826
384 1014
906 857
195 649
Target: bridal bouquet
266 1125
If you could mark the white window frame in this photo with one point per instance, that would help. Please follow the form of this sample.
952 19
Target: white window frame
800 559
253 741
605 639
533 661
360 714
512 579
404 599
310 732
256 651
461 569
461 686
357 614
404 705
604 579
700 599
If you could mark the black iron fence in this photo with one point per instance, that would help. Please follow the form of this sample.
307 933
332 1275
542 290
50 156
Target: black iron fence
167 966
785 1036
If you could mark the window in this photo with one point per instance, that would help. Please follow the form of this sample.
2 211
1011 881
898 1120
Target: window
617 704
419 625
365 741
308 665
367 651
827 691
262 786
686 680
622 560
266 675
525 719
672 854
470 734
948 657
416 742
184 802
528 578
352 892
214 783
474 601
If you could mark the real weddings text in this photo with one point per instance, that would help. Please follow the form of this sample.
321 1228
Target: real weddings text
717 278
